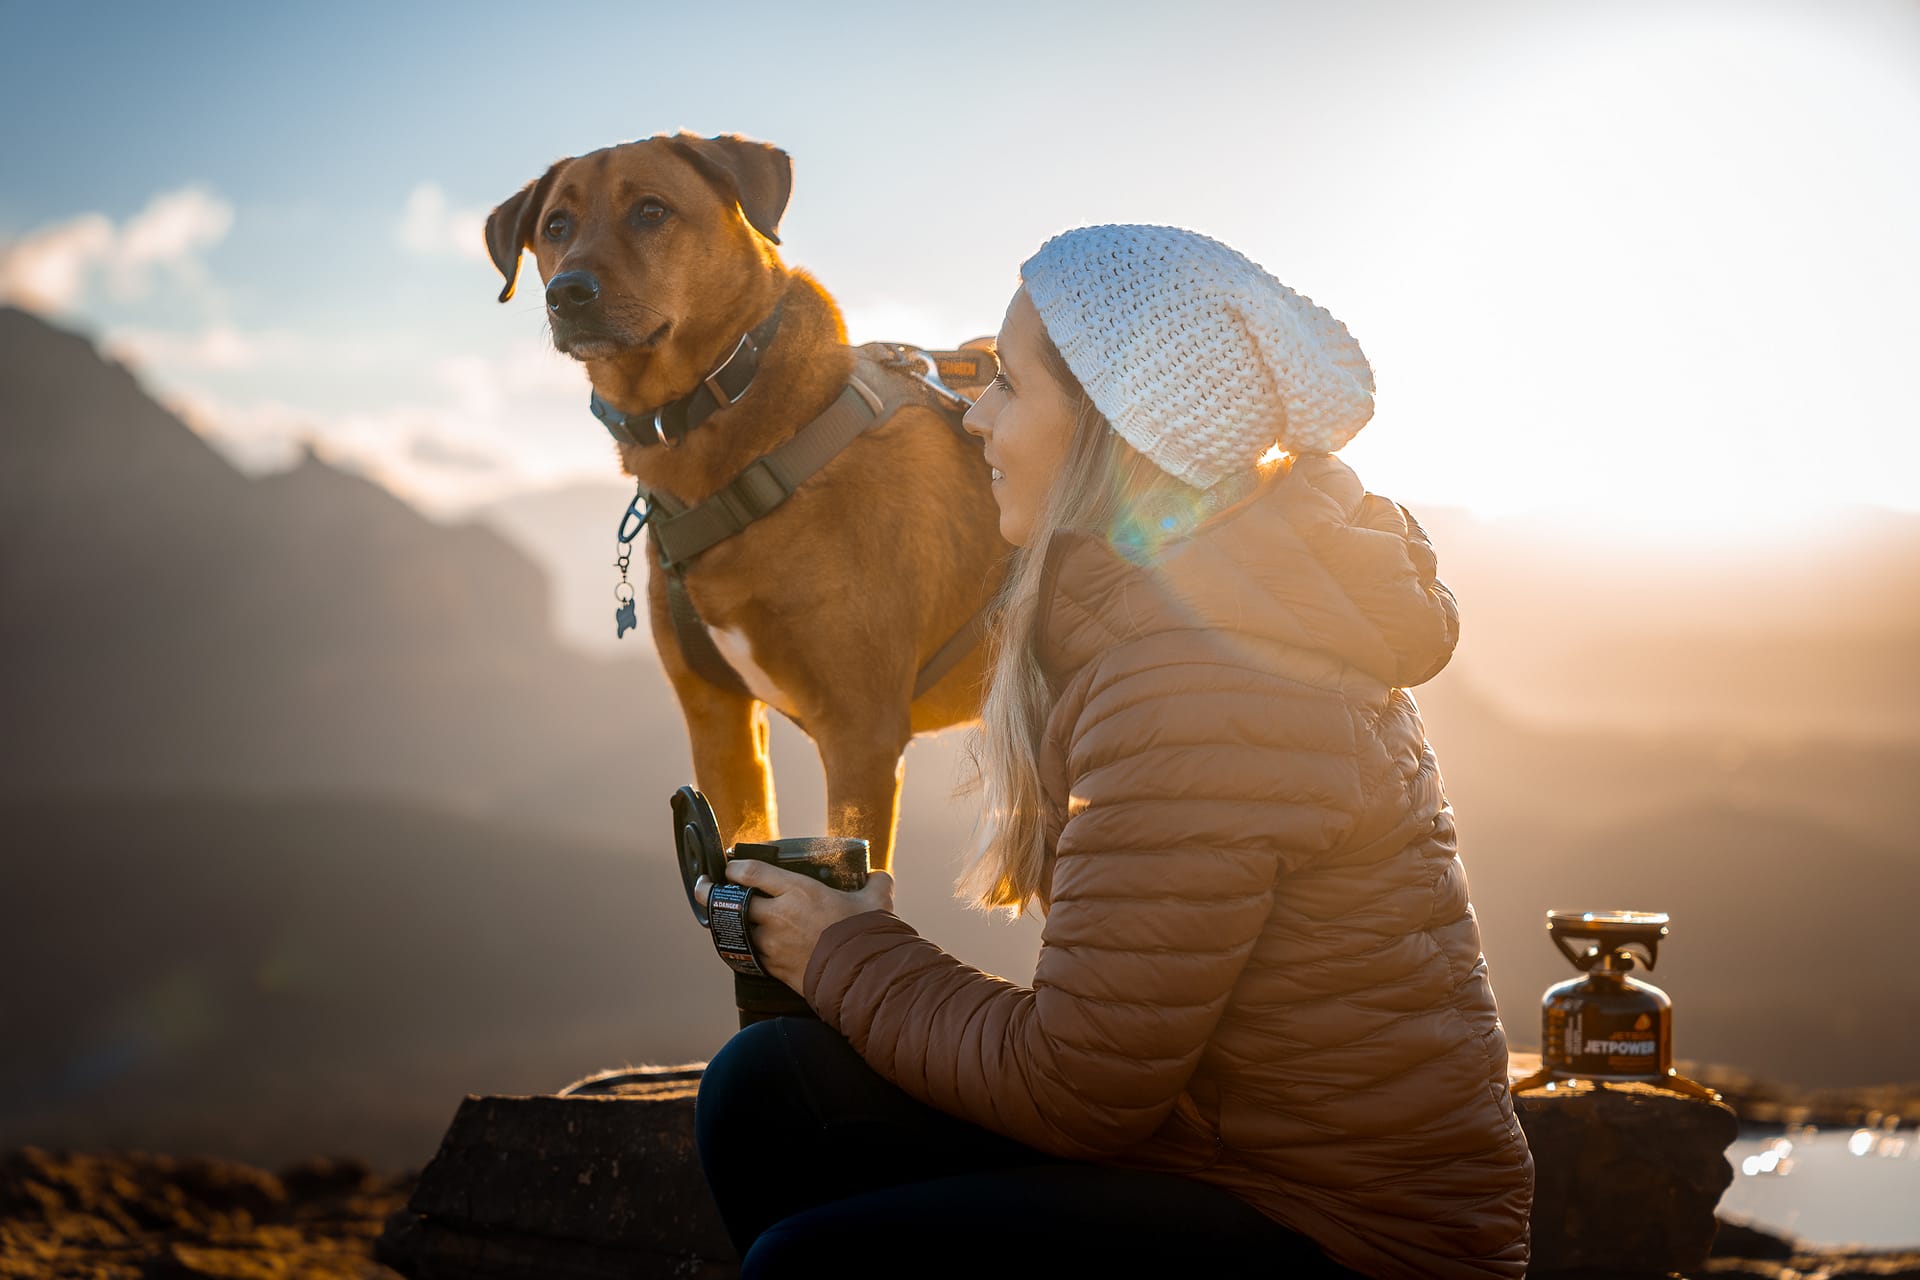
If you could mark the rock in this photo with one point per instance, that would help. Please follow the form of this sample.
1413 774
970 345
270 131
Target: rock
601 1181
424 1248
1739 1238
1626 1178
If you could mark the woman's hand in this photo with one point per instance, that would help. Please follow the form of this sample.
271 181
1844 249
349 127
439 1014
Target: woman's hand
791 911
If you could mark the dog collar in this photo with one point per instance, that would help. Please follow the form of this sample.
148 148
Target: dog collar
669 424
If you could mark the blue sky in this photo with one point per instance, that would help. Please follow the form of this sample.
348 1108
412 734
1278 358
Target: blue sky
1630 258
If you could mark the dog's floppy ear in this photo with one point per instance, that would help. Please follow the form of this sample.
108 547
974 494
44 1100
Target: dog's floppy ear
510 226
758 175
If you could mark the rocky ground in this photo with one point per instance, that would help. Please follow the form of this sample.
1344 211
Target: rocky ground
128 1215
1766 1102
132 1214
137 1216
1742 1252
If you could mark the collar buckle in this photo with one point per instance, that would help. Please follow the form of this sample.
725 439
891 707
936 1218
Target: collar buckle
712 380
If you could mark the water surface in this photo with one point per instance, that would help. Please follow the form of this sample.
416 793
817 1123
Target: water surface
1830 1186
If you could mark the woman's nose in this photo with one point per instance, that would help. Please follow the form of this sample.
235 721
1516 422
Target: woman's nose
973 422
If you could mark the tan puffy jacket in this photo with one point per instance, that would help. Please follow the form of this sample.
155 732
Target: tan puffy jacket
1259 967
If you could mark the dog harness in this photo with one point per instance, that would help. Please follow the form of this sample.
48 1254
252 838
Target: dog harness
886 377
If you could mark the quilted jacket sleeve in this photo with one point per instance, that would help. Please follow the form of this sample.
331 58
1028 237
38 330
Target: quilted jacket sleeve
1157 903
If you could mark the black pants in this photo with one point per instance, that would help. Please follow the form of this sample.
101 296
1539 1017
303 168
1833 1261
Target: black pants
821 1167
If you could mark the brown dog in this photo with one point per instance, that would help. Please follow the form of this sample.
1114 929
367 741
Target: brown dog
658 257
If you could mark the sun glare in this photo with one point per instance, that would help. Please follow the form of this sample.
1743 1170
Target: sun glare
1667 292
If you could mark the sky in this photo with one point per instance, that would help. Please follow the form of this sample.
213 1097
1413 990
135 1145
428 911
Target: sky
1645 266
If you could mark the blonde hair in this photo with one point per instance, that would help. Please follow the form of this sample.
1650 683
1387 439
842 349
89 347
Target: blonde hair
1104 487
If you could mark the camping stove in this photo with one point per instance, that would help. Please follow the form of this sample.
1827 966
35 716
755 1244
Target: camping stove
1608 1027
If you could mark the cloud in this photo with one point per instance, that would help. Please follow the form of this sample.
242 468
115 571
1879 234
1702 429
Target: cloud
430 227
169 233
47 270
222 348
486 385
482 430
51 268
440 451
422 453
217 348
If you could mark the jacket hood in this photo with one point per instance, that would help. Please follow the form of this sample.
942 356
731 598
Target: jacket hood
1310 560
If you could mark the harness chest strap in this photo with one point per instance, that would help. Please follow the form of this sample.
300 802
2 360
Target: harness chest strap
764 483
680 533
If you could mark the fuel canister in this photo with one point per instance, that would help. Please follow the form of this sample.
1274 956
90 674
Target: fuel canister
1607 1026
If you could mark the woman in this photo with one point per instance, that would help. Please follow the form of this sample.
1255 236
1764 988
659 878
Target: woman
1260 1033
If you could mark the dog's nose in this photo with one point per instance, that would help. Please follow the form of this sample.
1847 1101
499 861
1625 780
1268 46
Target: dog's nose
571 291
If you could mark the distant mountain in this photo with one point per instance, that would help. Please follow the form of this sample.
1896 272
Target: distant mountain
1755 634
265 980
569 532
166 621
1556 781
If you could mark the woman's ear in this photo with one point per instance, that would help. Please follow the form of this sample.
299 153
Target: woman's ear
510 226
757 175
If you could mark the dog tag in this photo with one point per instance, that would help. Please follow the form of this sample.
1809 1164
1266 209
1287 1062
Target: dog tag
625 619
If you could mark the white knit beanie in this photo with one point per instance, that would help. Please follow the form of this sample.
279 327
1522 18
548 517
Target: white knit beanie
1198 357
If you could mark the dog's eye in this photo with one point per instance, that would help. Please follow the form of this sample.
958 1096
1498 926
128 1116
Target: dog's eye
650 212
558 225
